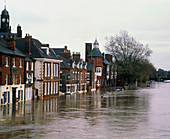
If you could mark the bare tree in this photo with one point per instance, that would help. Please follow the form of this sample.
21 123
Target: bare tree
128 54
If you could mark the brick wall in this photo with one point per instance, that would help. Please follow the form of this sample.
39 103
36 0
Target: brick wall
7 69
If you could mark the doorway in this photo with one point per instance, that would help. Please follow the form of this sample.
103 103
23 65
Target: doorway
13 95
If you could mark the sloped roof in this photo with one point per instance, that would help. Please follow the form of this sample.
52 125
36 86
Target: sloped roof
95 53
35 50
5 50
106 62
28 59
58 51
65 63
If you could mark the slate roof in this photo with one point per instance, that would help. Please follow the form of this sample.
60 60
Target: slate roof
58 51
65 63
4 49
95 53
28 59
106 62
36 51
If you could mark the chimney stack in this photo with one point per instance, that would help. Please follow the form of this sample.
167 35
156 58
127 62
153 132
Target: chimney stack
76 56
27 44
88 50
19 31
11 43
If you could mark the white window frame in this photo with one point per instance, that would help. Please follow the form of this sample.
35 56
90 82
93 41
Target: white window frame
20 78
51 69
27 66
48 88
13 79
45 89
57 70
6 62
56 87
6 79
20 63
13 60
27 78
32 78
51 88
45 68
54 70
32 66
48 69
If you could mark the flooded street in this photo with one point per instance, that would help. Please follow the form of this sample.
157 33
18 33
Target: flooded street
143 113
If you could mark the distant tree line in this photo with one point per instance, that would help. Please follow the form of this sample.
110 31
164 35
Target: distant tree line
163 73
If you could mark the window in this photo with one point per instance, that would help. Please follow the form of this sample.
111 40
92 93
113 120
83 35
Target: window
56 87
88 76
32 78
20 78
51 88
6 79
57 70
98 69
54 69
27 78
13 62
27 66
32 66
6 61
48 88
48 69
45 89
20 63
51 69
81 76
45 69
13 78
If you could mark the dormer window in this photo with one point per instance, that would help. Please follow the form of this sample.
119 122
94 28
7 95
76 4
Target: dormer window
45 50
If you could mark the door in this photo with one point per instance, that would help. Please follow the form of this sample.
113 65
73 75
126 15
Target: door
5 94
13 95
8 97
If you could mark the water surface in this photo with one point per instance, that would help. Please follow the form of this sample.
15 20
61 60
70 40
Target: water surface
143 113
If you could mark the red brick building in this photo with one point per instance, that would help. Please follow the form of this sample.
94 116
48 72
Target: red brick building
11 72
95 57
45 79
73 72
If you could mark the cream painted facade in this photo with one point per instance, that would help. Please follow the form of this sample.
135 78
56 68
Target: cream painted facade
40 73
10 93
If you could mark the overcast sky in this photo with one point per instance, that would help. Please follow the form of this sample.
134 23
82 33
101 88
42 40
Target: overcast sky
75 22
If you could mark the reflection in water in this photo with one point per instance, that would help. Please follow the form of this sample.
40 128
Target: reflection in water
127 114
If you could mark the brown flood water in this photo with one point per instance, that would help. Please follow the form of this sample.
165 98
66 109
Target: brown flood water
137 114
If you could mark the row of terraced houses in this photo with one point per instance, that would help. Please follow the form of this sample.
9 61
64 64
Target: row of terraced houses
30 69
